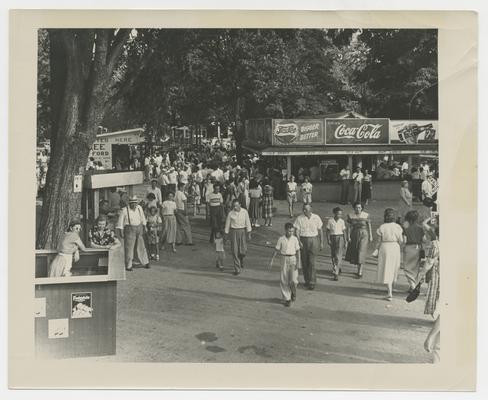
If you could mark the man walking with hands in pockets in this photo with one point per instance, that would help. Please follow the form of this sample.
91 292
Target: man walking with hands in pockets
308 230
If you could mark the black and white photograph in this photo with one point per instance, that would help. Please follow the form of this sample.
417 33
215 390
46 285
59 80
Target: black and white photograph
240 195
210 200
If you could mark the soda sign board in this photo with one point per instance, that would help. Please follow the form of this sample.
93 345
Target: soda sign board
357 131
414 132
298 132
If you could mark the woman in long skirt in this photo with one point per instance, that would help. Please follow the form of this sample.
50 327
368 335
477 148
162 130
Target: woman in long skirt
390 237
267 203
168 209
414 236
359 233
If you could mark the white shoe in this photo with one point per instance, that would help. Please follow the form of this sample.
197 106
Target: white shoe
257 225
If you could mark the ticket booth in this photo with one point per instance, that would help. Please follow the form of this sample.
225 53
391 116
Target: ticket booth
76 316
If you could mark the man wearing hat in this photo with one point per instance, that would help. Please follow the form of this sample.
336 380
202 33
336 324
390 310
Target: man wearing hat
156 191
131 227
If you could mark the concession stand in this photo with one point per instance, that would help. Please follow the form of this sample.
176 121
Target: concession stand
75 316
319 147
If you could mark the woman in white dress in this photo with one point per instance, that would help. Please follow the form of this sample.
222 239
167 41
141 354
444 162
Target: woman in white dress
390 237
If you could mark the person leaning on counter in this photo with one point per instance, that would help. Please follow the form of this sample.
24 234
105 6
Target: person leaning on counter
131 227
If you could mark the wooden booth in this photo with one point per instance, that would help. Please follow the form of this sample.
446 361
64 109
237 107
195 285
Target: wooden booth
76 316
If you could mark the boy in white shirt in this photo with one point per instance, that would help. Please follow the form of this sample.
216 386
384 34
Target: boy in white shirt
336 238
289 249
307 191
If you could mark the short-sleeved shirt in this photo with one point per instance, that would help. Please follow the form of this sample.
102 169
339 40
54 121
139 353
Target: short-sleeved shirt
219 244
69 243
336 227
414 234
308 227
307 187
390 232
103 237
180 199
287 246
157 193
168 207
345 174
255 193
215 199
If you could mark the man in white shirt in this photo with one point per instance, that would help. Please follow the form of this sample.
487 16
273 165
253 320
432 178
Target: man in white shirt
288 247
345 177
131 227
218 174
147 167
308 230
156 191
183 233
237 225
357 178
182 176
158 159
307 191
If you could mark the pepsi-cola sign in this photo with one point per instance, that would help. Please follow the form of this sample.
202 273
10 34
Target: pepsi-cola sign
356 131
298 131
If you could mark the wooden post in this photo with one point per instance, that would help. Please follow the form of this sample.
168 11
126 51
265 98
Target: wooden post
288 166
349 162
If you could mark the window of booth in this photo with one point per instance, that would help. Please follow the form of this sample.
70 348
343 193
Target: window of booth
318 168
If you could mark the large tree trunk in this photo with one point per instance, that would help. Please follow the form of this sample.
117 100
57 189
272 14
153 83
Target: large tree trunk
82 62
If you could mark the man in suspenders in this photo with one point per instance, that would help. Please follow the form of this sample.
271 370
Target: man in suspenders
132 226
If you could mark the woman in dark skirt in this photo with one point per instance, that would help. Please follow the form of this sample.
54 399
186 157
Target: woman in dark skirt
267 203
359 236
366 187
255 194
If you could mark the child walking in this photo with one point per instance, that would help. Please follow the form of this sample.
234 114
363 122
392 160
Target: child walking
219 250
289 250
154 223
336 238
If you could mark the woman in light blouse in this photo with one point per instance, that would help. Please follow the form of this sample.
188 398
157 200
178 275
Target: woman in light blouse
359 234
238 228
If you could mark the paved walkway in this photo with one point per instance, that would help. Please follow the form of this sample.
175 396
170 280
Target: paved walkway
184 310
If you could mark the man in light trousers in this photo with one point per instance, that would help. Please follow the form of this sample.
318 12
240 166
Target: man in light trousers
132 227
308 230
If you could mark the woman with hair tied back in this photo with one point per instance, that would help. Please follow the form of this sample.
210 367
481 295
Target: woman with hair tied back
390 237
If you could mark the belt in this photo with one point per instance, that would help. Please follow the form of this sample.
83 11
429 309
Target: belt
340 234
288 255
168 215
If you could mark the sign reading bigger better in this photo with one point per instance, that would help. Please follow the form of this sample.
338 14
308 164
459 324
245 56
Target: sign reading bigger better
298 131
357 131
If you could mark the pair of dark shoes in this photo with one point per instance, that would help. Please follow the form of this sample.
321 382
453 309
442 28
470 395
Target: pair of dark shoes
310 286
336 277
287 303
147 266
236 273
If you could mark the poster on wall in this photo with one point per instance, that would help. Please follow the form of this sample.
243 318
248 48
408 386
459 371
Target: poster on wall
81 305
356 131
40 307
58 328
292 132
101 151
413 132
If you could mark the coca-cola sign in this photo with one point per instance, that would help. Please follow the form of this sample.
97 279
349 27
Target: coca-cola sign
357 131
298 131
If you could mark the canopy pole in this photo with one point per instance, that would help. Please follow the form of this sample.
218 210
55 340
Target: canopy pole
288 166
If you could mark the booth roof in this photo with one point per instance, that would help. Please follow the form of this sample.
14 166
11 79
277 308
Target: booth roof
127 131
268 150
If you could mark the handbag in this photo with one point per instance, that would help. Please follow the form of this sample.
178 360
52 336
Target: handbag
412 296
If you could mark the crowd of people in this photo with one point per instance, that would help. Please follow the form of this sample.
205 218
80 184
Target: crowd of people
236 199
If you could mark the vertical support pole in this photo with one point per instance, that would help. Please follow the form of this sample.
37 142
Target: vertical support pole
288 166
410 165
96 201
349 162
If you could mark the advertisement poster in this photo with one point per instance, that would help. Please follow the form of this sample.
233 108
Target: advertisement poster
81 305
77 183
357 131
413 132
58 328
292 132
40 307
102 151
